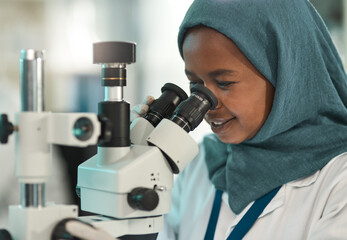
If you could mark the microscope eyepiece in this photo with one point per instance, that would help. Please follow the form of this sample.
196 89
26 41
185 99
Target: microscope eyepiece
164 106
191 112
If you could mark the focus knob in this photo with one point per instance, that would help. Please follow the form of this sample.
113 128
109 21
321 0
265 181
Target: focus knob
6 128
143 199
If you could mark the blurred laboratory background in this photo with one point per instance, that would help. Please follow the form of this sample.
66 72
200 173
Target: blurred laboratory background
66 30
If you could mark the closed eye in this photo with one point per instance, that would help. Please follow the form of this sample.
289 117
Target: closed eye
225 84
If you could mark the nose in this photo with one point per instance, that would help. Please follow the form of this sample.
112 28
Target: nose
219 105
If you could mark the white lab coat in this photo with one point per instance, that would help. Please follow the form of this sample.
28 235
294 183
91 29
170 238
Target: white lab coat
313 208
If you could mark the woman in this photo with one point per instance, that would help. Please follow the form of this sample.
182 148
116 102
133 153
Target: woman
280 128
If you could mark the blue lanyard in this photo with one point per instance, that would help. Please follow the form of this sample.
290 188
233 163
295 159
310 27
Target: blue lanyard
246 221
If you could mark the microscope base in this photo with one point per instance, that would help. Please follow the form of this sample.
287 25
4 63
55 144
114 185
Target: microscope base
120 227
37 223
140 237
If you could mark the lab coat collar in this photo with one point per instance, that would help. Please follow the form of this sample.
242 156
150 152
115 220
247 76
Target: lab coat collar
305 181
278 200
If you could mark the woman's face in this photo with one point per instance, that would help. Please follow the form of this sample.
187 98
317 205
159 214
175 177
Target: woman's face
244 96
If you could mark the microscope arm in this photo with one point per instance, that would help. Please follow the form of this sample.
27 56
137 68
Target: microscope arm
38 130
73 129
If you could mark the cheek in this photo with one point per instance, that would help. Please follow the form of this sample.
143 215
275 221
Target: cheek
253 116
250 114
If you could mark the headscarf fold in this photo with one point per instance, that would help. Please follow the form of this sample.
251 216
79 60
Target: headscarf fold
287 41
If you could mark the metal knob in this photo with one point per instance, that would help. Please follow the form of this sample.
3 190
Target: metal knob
5 235
6 128
143 199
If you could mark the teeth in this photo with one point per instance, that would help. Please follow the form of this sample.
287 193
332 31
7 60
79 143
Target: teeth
218 123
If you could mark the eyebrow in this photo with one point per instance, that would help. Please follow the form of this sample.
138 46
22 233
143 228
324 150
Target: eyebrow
214 73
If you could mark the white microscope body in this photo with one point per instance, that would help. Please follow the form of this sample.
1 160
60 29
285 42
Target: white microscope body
107 179
128 183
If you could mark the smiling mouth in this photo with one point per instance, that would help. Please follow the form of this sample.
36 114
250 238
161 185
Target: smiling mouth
220 124
217 126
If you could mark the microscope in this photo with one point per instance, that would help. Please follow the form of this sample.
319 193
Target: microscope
128 183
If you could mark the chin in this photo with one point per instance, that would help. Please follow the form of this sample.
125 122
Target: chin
230 140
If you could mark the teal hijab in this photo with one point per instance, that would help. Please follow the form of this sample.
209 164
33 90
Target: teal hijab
287 41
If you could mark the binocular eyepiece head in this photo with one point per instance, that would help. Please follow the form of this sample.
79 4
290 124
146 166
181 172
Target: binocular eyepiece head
164 106
191 112
174 104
